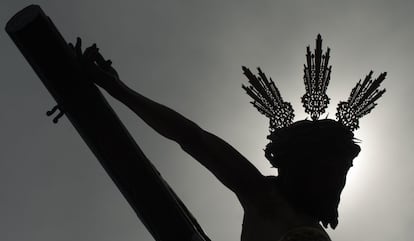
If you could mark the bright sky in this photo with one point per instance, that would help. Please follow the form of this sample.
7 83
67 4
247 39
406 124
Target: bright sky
188 55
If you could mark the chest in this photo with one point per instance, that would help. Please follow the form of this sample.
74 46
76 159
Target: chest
270 218
258 229
264 220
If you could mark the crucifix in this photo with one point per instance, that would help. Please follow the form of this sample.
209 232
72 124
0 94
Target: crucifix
312 156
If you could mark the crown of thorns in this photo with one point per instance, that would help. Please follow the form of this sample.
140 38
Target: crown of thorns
268 101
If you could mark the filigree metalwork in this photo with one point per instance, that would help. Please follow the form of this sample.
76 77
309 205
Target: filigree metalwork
317 72
316 78
267 99
361 101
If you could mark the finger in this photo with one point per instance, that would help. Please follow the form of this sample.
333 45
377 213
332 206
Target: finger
71 46
104 64
78 42
101 60
91 53
78 46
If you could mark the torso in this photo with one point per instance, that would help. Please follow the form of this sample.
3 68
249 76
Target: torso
269 216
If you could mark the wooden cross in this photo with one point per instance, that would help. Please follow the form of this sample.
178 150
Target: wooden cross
155 203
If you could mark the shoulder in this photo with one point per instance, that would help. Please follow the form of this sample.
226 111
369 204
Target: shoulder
264 194
306 233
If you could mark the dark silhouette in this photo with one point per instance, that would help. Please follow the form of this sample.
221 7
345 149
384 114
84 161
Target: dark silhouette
155 203
312 156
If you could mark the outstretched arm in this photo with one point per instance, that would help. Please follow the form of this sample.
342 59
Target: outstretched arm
226 163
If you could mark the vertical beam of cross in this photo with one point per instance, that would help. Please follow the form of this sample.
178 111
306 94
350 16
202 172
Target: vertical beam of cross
161 211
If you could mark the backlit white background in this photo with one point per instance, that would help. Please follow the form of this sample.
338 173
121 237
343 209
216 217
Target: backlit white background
188 56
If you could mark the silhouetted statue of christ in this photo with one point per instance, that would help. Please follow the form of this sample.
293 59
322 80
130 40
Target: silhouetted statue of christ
312 156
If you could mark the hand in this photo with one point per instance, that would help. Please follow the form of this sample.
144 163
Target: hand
94 64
